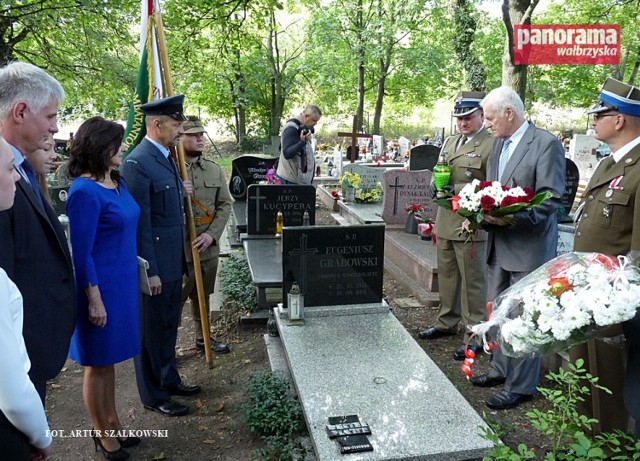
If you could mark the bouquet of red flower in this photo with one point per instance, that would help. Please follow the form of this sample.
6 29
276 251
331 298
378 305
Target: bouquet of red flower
480 198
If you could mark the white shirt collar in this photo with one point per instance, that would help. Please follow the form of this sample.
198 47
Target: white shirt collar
624 150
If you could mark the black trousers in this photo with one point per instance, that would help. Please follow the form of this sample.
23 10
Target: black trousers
156 370
14 445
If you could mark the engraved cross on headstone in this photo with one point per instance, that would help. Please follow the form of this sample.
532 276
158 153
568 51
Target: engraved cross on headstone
395 188
258 198
303 251
354 135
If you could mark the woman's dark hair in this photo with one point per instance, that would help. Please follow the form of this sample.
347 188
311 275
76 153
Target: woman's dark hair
95 142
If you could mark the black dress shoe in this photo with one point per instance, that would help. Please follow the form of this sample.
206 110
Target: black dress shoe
185 390
434 333
505 399
459 354
169 408
487 380
218 348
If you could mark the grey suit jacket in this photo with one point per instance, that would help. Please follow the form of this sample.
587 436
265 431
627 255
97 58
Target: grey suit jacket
154 183
538 162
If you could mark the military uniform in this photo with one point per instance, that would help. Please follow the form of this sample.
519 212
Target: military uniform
461 266
211 204
609 223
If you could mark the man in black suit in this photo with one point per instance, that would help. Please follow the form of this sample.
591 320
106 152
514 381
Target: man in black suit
33 247
153 180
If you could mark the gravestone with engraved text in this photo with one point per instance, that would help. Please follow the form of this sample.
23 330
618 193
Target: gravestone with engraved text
334 265
265 200
572 179
402 188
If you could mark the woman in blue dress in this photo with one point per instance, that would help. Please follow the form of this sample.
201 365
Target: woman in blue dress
103 218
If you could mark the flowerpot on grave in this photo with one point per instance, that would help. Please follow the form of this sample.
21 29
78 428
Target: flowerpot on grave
425 230
411 226
348 194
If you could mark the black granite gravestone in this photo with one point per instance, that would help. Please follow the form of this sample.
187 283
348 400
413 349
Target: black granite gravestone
572 179
265 200
247 170
423 157
58 195
334 265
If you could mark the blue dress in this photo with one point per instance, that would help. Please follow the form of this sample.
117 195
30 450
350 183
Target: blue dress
103 224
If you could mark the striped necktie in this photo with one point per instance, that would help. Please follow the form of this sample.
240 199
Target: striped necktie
504 158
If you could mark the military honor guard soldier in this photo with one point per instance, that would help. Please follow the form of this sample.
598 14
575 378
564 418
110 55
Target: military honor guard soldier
211 204
461 266
609 215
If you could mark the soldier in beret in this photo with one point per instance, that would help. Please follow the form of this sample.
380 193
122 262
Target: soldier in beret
609 215
153 180
461 265
211 203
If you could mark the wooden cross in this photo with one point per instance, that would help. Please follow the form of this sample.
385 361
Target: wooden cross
354 135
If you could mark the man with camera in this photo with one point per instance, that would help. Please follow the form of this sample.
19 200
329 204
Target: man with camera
296 164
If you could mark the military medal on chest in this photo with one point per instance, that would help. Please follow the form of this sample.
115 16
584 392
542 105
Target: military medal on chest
468 174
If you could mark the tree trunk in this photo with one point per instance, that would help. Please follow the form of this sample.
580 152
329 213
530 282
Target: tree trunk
360 53
277 93
515 12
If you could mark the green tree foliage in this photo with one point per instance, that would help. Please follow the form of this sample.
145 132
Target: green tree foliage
87 45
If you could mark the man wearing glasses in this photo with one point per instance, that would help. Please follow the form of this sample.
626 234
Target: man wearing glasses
609 215
211 205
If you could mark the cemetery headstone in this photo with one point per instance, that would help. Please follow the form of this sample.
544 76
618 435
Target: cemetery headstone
58 195
423 157
402 188
247 170
378 145
404 145
370 175
582 150
265 200
572 179
334 265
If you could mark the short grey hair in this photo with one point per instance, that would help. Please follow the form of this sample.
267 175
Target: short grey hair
312 109
503 97
21 81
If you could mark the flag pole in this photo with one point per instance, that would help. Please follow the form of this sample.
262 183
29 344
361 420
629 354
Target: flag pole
168 85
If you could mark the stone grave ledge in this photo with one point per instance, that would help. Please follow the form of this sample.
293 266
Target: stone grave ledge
349 309
361 213
417 258
369 365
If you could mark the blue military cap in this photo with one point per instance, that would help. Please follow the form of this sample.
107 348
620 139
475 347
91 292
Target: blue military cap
467 102
171 106
618 96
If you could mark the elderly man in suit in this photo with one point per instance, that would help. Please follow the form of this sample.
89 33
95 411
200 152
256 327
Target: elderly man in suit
461 265
611 207
33 246
153 180
524 156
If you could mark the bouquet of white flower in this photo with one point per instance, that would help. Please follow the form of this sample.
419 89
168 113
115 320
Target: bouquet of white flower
564 302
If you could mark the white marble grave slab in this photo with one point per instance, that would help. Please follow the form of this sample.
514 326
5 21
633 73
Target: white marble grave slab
368 365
